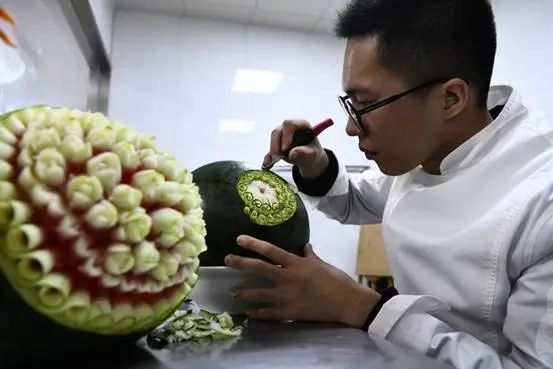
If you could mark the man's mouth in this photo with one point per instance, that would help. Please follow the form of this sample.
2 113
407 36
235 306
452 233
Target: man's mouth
369 154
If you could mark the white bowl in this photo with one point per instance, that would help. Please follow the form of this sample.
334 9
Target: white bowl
212 291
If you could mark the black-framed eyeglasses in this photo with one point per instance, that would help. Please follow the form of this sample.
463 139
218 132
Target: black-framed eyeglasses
356 115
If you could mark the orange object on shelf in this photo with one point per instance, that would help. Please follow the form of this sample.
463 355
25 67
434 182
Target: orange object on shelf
7 17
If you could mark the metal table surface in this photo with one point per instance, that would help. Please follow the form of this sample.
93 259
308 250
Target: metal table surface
267 345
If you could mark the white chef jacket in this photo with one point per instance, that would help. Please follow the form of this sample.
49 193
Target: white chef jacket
471 249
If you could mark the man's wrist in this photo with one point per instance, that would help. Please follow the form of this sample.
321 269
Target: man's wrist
317 170
360 306
385 296
321 185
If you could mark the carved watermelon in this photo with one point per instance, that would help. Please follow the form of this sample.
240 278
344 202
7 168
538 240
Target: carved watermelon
239 198
100 232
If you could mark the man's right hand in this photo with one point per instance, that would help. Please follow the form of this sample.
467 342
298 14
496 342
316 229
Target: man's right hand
311 159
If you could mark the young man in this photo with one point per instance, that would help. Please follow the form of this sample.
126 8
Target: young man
465 201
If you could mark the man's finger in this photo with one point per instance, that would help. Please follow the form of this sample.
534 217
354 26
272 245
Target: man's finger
289 127
270 251
276 139
256 295
256 266
269 313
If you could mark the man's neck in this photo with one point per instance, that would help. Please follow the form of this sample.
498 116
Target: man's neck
460 131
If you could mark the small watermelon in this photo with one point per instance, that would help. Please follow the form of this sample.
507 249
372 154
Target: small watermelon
100 232
239 198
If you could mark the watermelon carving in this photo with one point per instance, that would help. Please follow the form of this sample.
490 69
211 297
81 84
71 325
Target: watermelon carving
100 231
239 198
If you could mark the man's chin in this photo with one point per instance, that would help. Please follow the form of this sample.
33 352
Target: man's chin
392 170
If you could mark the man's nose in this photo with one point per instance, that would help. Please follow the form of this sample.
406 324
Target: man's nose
352 129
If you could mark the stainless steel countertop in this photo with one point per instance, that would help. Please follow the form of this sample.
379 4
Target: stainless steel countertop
267 345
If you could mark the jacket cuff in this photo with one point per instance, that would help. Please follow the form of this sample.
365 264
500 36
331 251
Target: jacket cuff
396 309
321 185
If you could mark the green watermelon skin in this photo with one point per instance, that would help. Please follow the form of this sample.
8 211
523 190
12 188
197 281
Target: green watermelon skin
29 338
225 218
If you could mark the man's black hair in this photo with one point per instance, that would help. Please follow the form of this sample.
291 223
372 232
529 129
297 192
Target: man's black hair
425 39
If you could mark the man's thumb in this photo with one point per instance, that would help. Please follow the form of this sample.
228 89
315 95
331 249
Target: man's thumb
309 252
299 153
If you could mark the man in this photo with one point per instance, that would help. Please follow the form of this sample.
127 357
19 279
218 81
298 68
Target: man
465 199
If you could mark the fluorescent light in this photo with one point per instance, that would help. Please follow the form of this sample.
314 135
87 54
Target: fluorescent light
257 81
236 125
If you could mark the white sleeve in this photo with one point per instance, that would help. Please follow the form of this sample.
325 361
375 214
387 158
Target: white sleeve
411 321
355 199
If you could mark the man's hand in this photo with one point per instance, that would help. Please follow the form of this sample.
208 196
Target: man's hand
306 288
311 159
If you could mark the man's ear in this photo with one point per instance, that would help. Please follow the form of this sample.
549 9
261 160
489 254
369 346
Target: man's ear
456 96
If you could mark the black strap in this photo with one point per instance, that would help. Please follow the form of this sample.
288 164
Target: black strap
386 295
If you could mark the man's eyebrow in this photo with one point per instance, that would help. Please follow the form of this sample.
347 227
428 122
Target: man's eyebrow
359 91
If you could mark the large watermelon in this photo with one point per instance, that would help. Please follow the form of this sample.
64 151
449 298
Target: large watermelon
239 198
100 233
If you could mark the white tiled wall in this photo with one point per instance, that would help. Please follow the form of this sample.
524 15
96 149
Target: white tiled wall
525 49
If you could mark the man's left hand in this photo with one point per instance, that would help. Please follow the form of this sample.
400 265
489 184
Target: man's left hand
305 288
